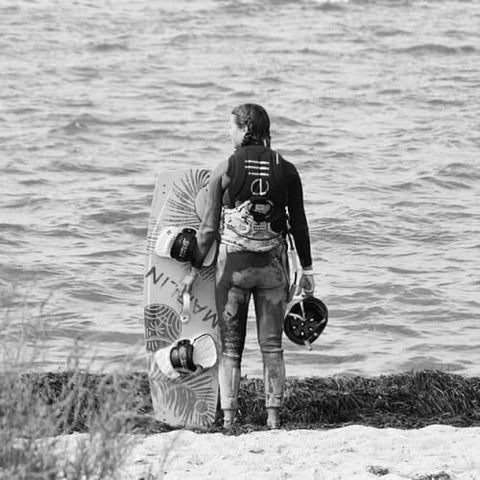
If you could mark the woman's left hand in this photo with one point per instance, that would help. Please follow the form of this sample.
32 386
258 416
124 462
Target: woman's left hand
307 283
185 286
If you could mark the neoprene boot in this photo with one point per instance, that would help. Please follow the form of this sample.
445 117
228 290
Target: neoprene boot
274 380
229 415
229 379
273 417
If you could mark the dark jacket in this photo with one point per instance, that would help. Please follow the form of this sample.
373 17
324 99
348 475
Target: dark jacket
231 182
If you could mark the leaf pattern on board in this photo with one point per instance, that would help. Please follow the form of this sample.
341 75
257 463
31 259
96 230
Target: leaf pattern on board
193 400
152 236
181 205
162 326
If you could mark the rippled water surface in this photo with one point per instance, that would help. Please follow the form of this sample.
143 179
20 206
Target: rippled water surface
375 101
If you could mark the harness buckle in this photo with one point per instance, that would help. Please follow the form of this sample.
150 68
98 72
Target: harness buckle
260 209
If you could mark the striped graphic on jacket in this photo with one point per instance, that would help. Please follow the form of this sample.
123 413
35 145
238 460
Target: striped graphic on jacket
257 168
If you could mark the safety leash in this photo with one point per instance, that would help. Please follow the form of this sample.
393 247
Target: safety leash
293 262
295 269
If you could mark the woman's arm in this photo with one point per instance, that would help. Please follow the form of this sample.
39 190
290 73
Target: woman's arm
210 224
298 218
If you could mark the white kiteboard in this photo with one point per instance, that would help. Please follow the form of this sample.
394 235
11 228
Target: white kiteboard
180 396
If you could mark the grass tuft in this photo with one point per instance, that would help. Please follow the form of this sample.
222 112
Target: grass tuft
36 408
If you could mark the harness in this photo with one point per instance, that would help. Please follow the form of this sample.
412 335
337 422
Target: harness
254 217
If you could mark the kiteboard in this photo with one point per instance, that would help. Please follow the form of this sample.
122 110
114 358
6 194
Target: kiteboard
184 385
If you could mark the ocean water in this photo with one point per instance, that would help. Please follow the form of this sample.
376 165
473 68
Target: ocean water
375 101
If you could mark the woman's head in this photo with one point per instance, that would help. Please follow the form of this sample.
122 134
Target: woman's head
250 125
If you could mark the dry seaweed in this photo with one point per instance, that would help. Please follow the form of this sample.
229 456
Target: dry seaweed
408 400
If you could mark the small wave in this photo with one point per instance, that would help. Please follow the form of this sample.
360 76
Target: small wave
184 40
206 85
445 102
305 357
390 33
13 168
290 122
299 152
29 201
271 80
425 297
94 294
448 184
67 165
85 71
390 91
113 217
86 120
114 336
71 128
4 240
107 47
435 48
331 5
34 181
140 232
88 167
10 9
151 134
404 186
106 254
423 362
79 103
460 170
303 51
181 38
13 227
23 110
387 3
64 231
406 271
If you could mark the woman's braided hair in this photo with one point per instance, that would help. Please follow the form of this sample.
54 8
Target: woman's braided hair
255 118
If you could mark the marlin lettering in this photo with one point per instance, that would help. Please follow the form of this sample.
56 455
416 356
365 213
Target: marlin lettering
211 316
153 272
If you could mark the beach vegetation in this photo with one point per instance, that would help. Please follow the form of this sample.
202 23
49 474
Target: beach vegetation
121 402
37 409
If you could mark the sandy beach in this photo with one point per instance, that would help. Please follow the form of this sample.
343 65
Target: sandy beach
353 452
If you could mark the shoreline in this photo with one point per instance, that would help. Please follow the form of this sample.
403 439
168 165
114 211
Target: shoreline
405 400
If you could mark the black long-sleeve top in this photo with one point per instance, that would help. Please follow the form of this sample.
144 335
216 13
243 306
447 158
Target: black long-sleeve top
210 224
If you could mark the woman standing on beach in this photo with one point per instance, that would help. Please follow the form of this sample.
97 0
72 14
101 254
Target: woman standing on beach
253 199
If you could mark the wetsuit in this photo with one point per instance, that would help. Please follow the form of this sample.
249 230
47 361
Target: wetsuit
248 267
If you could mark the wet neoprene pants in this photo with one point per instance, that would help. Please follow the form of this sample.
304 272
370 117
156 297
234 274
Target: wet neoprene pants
263 276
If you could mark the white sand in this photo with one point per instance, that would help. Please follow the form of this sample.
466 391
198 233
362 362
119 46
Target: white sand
354 452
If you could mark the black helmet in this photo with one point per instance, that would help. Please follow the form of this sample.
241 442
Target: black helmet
305 320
